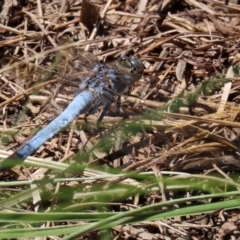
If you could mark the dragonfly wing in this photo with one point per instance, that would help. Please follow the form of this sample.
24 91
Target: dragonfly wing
74 66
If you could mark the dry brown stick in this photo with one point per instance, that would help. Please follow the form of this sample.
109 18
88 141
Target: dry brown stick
211 118
75 20
159 43
223 4
94 32
8 42
201 6
224 30
64 6
20 95
142 4
7 28
159 82
70 136
58 48
33 17
40 12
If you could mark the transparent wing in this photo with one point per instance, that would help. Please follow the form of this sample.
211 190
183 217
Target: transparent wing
68 67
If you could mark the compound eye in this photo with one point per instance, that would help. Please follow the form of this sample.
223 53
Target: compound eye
137 66
130 65
124 63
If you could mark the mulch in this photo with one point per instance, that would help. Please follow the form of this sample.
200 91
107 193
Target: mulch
183 115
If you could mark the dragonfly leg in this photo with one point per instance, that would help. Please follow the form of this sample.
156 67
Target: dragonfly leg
100 118
118 108
91 111
103 113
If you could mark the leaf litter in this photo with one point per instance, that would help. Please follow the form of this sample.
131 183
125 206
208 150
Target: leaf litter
182 116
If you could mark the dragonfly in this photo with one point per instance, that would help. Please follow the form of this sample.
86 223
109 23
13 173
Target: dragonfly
100 88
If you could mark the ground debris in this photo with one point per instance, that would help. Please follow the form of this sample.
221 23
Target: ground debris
182 116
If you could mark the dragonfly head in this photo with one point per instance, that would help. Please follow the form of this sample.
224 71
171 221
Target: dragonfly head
130 65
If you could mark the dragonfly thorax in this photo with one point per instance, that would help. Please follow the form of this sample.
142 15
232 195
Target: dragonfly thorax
108 82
